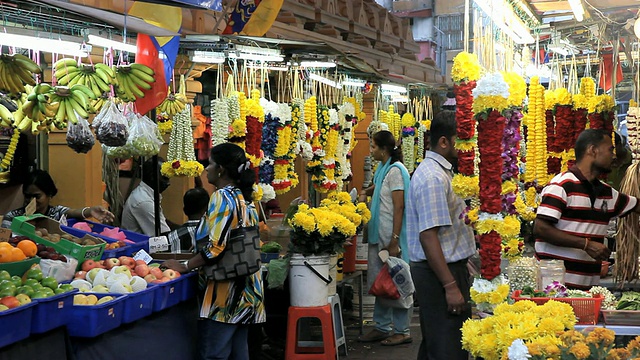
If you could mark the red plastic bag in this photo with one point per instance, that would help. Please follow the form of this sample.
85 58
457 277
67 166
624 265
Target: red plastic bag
384 286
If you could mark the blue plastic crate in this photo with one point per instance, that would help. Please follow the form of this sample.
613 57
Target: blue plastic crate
51 312
141 241
93 320
15 324
138 305
189 285
167 294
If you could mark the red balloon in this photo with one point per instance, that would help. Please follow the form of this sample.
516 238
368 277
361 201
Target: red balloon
147 54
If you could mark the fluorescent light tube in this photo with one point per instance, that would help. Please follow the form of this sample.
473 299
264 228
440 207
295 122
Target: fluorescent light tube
53 46
111 44
354 82
266 67
257 57
324 80
393 88
317 64
207 57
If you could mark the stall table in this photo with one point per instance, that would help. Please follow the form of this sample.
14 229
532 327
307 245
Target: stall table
349 277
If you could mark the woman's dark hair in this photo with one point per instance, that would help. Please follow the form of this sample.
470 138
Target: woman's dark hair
42 180
232 159
384 140
587 138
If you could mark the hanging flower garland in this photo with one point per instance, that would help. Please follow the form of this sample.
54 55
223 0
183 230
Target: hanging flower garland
311 121
11 150
490 98
422 130
270 141
181 159
219 121
238 116
554 164
536 130
465 72
348 119
165 124
254 120
408 140
332 169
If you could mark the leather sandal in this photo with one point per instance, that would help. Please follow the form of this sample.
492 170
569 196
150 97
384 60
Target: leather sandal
373 335
396 339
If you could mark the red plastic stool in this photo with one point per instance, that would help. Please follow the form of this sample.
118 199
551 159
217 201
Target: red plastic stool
310 350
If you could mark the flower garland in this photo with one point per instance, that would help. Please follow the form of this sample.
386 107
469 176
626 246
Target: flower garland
466 67
181 159
270 141
465 73
408 140
510 171
219 121
490 91
11 150
331 166
348 120
422 130
537 147
254 121
488 294
164 123
311 121
238 115
491 337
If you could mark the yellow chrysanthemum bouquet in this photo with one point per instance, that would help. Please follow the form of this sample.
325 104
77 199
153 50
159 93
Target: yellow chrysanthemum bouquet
326 228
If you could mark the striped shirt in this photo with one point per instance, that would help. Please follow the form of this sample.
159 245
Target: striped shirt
432 203
581 208
184 237
54 212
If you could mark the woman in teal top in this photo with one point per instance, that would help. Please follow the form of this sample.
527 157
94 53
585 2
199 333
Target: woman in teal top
386 232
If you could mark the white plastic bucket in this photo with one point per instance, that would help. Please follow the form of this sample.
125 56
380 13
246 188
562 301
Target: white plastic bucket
333 273
309 280
362 254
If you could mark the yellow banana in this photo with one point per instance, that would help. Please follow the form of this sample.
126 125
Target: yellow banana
142 68
26 63
77 107
142 76
60 114
70 114
107 69
5 114
85 90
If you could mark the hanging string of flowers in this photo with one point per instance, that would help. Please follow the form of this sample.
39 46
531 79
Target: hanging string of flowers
311 121
490 98
408 140
554 159
563 139
181 159
270 141
219 121
165 124
11 150
238 115
346 115
254 121
330 164
537 141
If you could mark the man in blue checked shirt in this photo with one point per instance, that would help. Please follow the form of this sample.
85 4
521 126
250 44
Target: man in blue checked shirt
439 245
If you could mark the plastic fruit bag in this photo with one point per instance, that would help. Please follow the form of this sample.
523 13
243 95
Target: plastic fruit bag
112 128
144 137
79 136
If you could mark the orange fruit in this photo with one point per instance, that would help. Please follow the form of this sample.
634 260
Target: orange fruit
17 255
5 244
28 247
5 254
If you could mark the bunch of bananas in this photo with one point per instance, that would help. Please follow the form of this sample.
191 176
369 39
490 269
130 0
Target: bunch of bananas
173 104
132 80
6 117
36 110
15 71
73 100
100 101
98 77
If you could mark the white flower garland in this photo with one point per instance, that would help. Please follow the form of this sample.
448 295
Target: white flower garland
219 121
491 85
268 193
305 150
233 104
421 133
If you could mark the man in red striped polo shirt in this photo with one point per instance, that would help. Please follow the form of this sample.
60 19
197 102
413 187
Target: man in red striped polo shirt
574 213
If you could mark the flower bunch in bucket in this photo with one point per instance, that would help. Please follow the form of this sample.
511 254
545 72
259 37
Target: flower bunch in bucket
317 231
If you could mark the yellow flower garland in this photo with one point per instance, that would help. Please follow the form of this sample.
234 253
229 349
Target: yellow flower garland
165 127
465 186
466 145
517 88
11 150
188 168
537 145
526 213
508 227
485 102
466 67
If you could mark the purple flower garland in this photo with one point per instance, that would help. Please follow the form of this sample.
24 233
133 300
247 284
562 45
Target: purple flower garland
510 140
268 146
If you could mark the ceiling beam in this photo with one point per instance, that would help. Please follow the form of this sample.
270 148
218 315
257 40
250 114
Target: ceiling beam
544 6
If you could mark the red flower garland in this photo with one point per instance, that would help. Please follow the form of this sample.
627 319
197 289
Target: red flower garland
596 121
465 162
490 249
254 138
579 124
465 124
552 145
564 128
490 131
554 165
609 116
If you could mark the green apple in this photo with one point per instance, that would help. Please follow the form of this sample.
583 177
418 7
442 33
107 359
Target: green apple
4 275
50 282
3 308
7 292
7 284
25 289
40 295
31 282
34 274
48 290
16 280
59 291
23 299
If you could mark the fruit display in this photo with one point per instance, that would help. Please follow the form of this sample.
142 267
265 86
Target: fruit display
17 249
132 80
54 237
16 70
81 299
119 276
16 290
173 104
98 77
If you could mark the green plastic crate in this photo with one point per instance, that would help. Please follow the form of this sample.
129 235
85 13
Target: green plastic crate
19 267
26 225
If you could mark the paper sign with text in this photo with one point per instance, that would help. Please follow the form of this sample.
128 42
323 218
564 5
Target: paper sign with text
158 244
5 234
30 209
143 255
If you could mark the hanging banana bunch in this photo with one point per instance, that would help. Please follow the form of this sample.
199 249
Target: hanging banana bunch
132 80
16 70
76 98
173 104
98 77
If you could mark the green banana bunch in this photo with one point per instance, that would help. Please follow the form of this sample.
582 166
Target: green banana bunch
98 78
16 70
173 104
132 80
36 111
72 100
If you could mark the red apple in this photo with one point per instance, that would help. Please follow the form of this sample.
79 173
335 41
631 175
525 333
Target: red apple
88 265
111 263
171 274
10 302
140 262
80 275
155 271
150 279
142 270
127 261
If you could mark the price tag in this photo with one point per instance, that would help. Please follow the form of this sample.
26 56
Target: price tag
30 209
5 234
143 255
158 244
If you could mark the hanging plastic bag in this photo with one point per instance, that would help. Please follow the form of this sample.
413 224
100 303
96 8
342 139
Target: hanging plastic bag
383 286
79 136
144 137
112 129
